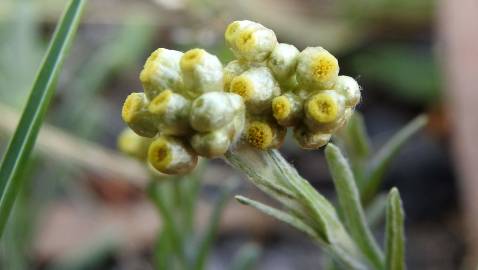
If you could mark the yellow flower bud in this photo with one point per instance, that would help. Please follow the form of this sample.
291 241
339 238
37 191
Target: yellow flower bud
283 61
232 31
257 87
161 71
136 115
133 145
213 110
264 134
202 72
211 144
324 106
287 109
349 88
231 70
171 112
310 140
317 68
250 41
171 155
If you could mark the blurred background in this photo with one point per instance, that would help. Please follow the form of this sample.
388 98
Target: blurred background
83 206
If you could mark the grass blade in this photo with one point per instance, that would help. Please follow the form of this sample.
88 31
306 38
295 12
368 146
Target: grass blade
394 235
160 202
383 158
43 88
349 199
280 215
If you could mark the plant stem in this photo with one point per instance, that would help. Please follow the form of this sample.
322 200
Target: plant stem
270 172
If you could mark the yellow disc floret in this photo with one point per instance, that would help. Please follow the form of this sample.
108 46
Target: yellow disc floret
259 135
316 69
242 86
136 115
324 66
231 31
281 107
323 107
171 155
160 154
192 58
246 40
132 104
160 103
149 68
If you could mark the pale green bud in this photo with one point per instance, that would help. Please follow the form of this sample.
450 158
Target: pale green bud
235 128
133 145
213 110
283 61
257 87
202 72
231 70
250 41
316 69
287 109
324 111
171 113
211 144
161 71
233 30
310 140
136 115
171 155
349 88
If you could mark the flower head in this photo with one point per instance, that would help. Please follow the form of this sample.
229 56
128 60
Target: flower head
193 106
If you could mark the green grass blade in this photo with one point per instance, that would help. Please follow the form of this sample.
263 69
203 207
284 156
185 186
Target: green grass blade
382 160
167 217
163 252
349 199
43 88
394 235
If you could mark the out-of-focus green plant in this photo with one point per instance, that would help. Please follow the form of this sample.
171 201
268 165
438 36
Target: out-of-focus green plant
402 71
21 145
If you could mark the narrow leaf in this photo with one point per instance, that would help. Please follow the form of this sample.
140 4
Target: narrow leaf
280 215
43 89
394 235
375 211
357 135
166 217
382 160
321 214
162 251
349 199
357 146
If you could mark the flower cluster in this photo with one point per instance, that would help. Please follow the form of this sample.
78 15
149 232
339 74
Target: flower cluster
193 106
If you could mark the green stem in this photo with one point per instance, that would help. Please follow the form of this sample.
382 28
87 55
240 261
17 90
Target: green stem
270 172
169 223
